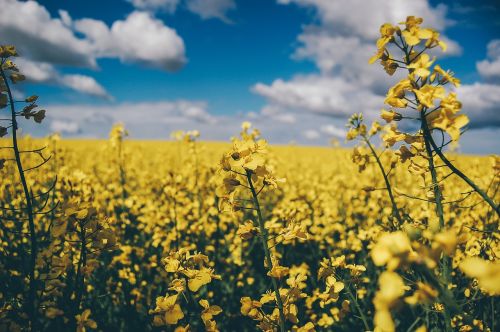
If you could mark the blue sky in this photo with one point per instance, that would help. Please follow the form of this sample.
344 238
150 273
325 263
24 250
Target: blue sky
296 68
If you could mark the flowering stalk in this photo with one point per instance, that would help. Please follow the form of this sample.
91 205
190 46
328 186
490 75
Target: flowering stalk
357 128
264 239
444 117
388 187
358 308
32 306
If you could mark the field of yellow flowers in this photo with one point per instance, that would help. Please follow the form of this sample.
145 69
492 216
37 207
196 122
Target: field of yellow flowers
126 235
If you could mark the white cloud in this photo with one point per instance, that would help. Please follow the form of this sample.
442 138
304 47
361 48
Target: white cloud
340 44
41 72
84 84
162 5
481 102
211 8
139 38
51 41
311 134
66 127
320 94
489 68
29 26
54 40
364 17
333 131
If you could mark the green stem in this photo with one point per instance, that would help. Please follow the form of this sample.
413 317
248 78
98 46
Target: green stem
264 239
461 175
445 262
358 308
395 210
29 209
435 183
80 275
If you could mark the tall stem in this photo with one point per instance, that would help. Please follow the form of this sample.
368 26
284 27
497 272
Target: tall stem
445 261
80 275
395 210
264 239
358 308
29 209
461 175
435 183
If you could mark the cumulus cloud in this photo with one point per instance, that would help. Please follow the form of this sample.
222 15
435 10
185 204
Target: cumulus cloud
51 41
159 46
481 102
84 84
211 8
41 72
321 94
340 44
64 127
363 18
55 40
489 68
37 35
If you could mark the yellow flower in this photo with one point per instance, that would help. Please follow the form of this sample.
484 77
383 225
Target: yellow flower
389 66
387 31
7 51
447 76
278 271
245 125
309 327
375 128
172 312
434 41
390 116
391 288
209 311
198 278
449 122
446 241
352 134
395 95
413 33
421 65
486 272
424 294
428 93
250 308
247 230
392 136
376 56
333 285
83 321
412 22
391 249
